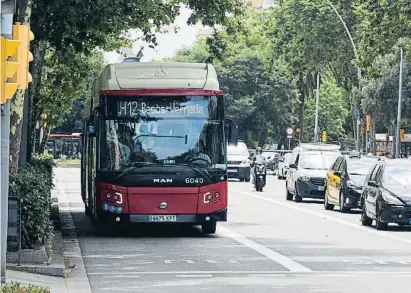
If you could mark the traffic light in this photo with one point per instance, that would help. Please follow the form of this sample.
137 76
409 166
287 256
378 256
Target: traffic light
402 134
368 122
8 69
24 35
324 136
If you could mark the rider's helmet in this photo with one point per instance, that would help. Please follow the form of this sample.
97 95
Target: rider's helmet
259 151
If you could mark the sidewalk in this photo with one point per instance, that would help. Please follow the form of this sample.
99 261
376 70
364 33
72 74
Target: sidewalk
56 285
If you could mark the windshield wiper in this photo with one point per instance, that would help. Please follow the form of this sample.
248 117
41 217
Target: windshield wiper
155 135
134 166
196 169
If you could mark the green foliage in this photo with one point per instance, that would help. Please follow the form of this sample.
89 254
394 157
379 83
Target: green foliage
380 93
381 25
15 287
65 78
32 185
258 91
332 114
84 25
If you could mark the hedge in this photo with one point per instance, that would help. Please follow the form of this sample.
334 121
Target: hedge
32 185
17 288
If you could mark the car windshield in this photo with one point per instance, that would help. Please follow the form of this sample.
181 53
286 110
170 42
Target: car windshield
163 137
398 176
317 161
359 168
239 150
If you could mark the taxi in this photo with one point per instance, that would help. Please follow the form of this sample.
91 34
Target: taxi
345 180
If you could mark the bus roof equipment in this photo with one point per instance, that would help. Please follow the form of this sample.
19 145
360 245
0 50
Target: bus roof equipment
151 75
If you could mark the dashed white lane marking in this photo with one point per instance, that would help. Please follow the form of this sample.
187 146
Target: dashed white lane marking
269 253
325 216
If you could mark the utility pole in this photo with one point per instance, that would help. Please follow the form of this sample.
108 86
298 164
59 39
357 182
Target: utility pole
317 102
397 133
7 11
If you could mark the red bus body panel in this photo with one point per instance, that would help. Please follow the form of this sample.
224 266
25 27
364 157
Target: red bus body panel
146 200
180 200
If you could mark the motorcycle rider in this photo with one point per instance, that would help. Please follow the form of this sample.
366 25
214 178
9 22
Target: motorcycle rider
258 159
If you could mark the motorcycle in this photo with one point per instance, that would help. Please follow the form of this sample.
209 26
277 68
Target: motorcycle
260 173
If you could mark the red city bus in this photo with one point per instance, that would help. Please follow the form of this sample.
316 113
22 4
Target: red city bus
154 146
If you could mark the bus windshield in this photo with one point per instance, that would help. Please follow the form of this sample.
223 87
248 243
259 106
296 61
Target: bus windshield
163 131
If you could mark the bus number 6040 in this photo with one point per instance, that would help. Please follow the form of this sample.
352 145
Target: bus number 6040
195 180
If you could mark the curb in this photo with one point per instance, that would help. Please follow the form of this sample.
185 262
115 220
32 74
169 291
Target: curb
77 280
57 267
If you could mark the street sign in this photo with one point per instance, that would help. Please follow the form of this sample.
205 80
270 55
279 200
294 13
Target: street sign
290 131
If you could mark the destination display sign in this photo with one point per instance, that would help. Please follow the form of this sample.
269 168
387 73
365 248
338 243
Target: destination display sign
136 109
155 107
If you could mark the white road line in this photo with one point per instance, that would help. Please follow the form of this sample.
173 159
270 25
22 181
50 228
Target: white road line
189 261
269 253
350 273
167 261
211 261
266 275
194 276
325 216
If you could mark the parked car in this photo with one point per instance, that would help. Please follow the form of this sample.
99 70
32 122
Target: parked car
283 165
386 196
271 160
345 180
308 170
238 164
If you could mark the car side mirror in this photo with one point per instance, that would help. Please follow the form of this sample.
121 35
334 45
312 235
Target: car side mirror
293 166
337 173
372 184
232 132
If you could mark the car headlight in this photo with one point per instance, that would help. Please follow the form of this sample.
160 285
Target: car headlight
390 199
304 178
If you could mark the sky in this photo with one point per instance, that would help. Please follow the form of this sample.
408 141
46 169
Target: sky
168 43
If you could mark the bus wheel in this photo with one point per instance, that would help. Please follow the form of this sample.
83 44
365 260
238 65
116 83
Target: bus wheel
209 228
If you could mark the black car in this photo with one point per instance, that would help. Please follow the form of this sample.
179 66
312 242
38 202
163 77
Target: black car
345 180
386 196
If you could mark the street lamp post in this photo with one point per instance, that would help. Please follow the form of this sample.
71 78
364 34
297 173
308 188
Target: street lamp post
359 75
397 133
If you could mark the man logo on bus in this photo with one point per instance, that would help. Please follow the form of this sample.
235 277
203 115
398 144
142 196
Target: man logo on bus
160 72
163 180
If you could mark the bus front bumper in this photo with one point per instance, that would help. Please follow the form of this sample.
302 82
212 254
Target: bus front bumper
219 216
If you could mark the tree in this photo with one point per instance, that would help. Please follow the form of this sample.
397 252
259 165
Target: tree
333 111
258 91
381 92
65 79
309 37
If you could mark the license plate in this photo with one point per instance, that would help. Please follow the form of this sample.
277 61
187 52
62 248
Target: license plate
321 188
261 177
162 218
232 170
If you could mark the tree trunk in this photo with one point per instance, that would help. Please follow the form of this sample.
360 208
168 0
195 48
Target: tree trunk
16 105
42 146
39 51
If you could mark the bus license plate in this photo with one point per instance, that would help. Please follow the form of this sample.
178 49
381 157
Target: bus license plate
162 218
232 170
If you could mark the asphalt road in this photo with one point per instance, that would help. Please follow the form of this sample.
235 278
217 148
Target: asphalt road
267 245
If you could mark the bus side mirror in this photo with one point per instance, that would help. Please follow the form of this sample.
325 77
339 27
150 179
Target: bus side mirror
232 132
91 130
